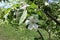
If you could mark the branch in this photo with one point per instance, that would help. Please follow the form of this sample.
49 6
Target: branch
52 17
48 12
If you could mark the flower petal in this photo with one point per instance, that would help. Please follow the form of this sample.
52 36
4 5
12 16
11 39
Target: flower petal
27 22
24 6
36 20
46 3
35 26
30 27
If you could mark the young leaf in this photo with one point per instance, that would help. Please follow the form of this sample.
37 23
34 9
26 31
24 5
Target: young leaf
44 34
7 10
33 6
23 17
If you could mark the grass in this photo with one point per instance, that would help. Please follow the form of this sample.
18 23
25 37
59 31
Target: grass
8 32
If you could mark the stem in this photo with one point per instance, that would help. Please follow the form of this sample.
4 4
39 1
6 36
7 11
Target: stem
52 17
49 36
40 34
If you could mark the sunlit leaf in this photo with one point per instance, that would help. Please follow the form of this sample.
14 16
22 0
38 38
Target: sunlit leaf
7 10
16 5
33 6
23 17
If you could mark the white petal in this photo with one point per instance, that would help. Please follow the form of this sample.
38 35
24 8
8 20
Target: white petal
27 22
31 17
27 5
21 2
30 27
36 20
35 26
24 6
14 19
58 19
46 3
5 16
58 9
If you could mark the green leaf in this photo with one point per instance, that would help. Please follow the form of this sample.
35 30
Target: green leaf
7 10
23 17
16 5
44 34
39 13
33 6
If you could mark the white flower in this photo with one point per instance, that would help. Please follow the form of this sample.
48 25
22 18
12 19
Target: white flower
14 19
5 16
27 22
33 19
32 23
24 5
30 27
46 3
49 30
1 20
58 9
58 19
33 26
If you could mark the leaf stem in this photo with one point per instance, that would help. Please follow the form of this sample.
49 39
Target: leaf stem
40 34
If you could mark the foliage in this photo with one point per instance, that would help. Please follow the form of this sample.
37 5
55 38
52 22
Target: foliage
26 20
